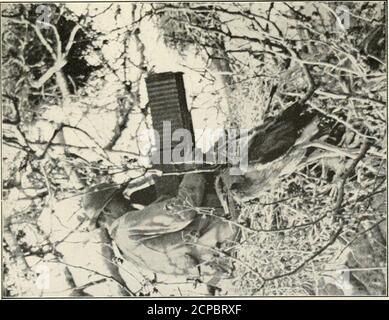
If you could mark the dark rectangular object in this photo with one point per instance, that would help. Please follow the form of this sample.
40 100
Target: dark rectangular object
167 102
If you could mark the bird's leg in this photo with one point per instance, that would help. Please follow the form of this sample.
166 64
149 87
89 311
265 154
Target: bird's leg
329 147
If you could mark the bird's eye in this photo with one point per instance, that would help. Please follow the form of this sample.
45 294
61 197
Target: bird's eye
235 186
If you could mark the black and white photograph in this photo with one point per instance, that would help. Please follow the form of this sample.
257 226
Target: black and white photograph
194 149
